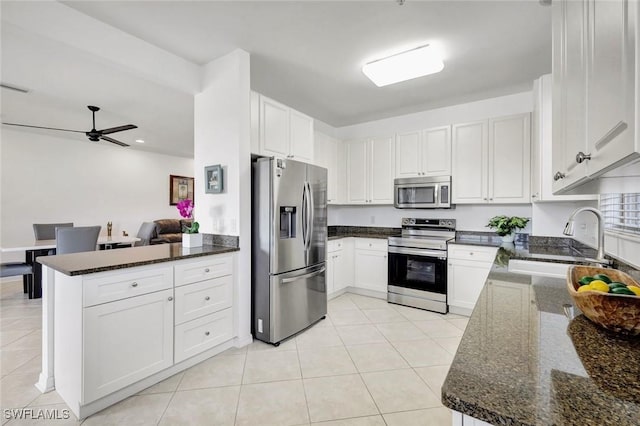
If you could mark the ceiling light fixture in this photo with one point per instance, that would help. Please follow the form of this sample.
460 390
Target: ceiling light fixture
139 140
407 65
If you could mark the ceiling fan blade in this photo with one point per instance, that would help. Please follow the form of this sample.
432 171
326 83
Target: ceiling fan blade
117 142
46 128
118 129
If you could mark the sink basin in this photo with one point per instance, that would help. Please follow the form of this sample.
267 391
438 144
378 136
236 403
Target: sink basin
543 269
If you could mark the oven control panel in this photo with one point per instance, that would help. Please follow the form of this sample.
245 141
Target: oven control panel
431 223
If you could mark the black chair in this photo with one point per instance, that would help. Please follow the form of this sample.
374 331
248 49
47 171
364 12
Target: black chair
41 231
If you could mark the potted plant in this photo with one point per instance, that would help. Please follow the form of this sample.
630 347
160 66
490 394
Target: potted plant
190 235
506 226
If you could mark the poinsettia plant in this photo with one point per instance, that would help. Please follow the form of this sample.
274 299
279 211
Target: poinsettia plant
185 207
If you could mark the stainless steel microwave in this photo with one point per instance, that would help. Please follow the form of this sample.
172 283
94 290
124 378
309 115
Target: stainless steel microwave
422 192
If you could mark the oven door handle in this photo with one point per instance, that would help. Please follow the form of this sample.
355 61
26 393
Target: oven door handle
442 255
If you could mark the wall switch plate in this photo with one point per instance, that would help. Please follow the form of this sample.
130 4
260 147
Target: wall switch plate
260 326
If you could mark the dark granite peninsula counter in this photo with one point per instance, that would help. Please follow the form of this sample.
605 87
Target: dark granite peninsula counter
523 361
107 260
337 232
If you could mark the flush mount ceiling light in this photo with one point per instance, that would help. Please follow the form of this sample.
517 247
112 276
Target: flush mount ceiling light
139 140
407 65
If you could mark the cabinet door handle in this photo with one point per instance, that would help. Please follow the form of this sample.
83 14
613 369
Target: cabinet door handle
206 333
207 298
370 245
485 198
206 271
581 156
471 254
534 196
558 176
134 284
170 298
450 264
490 199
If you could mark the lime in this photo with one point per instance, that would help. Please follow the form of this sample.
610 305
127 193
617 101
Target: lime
616 284
602 277
585 280
622 290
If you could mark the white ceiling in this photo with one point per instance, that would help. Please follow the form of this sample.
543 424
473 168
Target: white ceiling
307 54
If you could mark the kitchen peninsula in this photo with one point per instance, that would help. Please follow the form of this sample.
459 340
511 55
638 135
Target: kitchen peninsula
118 321
528 357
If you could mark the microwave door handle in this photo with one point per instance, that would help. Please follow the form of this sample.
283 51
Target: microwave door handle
436 192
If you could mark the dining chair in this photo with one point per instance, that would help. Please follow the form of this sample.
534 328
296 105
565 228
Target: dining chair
47 231
76 239
145 233
14 269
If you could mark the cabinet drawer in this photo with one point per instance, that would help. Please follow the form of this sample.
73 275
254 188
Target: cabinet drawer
122 285
203 298
478 253
371 244
210 267
334 245
201 334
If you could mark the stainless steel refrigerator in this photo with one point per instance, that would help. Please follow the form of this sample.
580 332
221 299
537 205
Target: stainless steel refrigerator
289 233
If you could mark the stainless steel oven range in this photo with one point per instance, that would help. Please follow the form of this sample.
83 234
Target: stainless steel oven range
418 264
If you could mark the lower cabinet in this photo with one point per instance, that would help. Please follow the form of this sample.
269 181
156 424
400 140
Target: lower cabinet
203 333
468 268
126 341
371 264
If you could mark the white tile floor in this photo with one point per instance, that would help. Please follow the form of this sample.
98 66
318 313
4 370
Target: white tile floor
368 363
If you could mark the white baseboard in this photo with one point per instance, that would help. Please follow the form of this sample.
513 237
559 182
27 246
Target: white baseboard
365 292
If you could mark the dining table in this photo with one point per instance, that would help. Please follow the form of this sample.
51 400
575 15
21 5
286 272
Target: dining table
38 248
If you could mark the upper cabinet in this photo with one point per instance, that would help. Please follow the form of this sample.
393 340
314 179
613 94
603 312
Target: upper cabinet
370 170
594 89
327 155
542 170
280 131
424 153
491 161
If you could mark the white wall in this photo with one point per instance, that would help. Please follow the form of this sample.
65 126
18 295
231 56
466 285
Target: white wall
550 219
52 179
469 217
472 111
222 136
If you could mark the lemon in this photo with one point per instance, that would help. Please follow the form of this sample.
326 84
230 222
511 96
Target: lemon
634 289
599 285
584 288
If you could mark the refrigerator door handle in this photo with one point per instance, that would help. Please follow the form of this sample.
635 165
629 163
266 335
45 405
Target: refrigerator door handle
304 216
309 275
311 215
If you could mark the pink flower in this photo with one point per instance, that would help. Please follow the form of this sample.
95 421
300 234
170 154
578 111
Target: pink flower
185 207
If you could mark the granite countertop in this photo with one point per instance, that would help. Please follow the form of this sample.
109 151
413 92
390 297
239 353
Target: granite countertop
107 260
337 232
523 361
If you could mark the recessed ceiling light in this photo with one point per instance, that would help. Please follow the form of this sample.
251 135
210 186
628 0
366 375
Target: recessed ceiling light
407 65
139 140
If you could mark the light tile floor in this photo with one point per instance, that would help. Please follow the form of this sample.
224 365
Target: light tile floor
367 363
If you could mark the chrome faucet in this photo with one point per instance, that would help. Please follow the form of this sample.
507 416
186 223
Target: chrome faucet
568 230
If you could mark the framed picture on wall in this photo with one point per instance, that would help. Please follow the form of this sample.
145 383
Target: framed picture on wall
180 188
213 179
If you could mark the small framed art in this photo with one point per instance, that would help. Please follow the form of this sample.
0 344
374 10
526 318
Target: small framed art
213 179
180 188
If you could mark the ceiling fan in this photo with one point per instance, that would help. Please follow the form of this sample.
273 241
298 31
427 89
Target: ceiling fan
93 134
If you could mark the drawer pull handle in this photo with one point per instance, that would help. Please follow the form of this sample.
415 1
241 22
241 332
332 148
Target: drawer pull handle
134 284
170 298
207 298
206 270
471 253
206 333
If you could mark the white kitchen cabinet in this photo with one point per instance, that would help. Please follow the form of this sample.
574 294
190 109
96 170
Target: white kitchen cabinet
326 154
370 171
371 264
470 163
424 153
595 95
468 268
126 341
541 145
282 131
336 268
491 161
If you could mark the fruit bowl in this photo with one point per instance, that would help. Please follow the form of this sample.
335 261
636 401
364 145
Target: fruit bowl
615 312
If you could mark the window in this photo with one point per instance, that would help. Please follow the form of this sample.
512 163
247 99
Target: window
621 212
